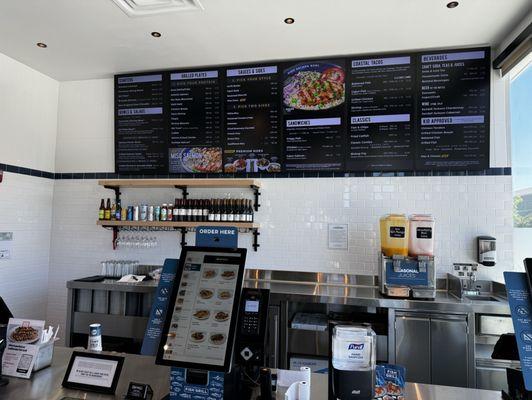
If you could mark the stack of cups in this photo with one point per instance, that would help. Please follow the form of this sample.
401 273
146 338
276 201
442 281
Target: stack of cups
95 337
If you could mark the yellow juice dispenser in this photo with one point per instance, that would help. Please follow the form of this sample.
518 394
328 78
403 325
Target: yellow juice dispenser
394 235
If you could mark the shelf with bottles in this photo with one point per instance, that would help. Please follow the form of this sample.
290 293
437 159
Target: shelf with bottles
185 214
183 185
161 225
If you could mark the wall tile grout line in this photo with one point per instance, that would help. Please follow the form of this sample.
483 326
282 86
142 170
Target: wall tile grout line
499 171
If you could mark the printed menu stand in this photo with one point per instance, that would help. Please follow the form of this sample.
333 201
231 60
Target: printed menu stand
25 351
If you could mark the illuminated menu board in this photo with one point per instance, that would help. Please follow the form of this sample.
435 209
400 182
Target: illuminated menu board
252 120
141 140
454 110
314 115
381 114
394 112
195 122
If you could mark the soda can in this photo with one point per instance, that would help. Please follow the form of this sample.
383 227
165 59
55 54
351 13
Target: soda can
157 213
135 213
143 212
130 213
95 337
150 213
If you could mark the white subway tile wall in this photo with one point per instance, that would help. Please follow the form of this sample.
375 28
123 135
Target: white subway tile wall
26 210
294 215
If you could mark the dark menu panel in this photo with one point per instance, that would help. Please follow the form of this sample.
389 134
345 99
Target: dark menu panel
195 122
141 141
454 104
381 114
252 129
314 115
425 110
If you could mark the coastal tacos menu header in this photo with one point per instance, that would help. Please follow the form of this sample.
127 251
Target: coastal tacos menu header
395 112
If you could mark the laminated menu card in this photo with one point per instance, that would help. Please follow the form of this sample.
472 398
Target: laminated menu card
23 337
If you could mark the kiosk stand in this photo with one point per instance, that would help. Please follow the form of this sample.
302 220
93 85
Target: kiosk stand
204 325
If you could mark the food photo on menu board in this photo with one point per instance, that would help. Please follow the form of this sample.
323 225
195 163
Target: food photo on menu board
252 120
195 160
314 96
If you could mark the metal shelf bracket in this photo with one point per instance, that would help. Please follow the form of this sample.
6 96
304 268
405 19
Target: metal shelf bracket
256 234
256 192
183 190
116 189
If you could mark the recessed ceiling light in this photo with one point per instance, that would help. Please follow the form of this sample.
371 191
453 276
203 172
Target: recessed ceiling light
42 45
156 34
289 21
452 4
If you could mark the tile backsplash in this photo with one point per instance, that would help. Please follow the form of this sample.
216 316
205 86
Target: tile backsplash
294 217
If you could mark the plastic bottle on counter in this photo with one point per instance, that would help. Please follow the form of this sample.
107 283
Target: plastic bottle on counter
421 241
394 235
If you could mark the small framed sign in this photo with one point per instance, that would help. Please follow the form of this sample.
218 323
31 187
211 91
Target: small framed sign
93 372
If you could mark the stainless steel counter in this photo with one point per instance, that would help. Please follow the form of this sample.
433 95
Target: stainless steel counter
46 384
362 291
328 288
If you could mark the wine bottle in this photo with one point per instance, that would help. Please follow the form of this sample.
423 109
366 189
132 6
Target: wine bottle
205 210
217 211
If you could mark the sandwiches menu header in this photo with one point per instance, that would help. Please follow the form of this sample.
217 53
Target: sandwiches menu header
395 112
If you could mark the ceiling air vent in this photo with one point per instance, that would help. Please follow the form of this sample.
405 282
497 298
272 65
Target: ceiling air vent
138 8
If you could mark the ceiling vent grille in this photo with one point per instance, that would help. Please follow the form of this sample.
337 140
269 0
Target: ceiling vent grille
139 8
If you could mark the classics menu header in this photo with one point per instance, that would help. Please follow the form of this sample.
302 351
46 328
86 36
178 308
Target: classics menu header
395 112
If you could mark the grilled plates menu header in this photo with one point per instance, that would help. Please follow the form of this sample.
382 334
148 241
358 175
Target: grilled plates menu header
394 112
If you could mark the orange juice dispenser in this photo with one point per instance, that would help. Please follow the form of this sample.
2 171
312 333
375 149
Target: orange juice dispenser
394 235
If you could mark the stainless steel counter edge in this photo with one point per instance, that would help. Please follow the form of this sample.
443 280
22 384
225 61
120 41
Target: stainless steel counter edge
356 290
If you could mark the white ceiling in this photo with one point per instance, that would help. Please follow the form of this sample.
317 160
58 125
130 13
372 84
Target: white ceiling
94 38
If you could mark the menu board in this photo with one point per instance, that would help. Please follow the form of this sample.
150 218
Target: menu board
381 114
427 110
195 122
252 112
454 110
314 115
141 140
201 320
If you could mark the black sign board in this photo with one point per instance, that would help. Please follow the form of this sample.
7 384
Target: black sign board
381 113
252 119
141 137
195 122
314 97
453 97
396 112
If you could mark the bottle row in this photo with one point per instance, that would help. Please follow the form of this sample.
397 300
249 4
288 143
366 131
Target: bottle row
186 210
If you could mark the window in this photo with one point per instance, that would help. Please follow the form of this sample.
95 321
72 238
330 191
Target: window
521 127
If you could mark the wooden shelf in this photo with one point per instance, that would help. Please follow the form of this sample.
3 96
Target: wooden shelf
190 183
176 224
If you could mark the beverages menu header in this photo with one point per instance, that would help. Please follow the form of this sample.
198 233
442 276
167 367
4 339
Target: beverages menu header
394 112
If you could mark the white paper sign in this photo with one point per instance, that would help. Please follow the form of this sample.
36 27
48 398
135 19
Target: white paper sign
92 371
338 235
23 339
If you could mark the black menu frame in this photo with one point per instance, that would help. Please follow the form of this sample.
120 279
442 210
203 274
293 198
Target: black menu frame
281 65
226 367
93 388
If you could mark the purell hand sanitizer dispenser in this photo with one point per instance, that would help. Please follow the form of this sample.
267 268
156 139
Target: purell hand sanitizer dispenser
352 362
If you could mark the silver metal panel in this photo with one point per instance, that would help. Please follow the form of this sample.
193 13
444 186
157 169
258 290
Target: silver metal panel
314 343
449 352
491 378
412 347
495 325
112 325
